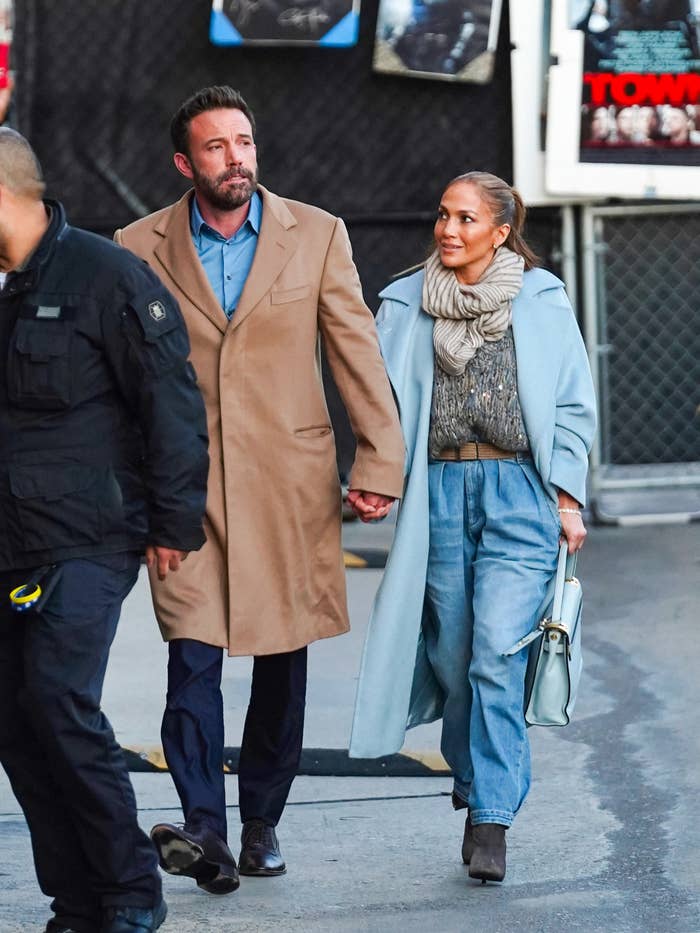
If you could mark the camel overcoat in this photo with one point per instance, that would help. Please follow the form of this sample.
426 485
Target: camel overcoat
270 577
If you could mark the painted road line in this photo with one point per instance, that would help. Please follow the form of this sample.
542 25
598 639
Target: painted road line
315 762
365 558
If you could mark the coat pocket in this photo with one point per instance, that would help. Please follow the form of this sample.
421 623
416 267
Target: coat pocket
285 295
39 371
60 504
320 430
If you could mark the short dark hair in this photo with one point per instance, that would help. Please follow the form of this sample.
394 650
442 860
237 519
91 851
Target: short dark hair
209 98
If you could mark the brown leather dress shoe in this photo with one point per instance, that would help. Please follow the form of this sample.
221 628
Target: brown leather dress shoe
260 851
196 852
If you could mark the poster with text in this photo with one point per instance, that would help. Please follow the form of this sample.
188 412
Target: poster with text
624 98
448 40
333 23
641 82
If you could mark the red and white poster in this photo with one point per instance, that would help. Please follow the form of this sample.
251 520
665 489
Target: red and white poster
5 42
624 98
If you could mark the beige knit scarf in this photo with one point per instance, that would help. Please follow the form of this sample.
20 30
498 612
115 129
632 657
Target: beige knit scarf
469 315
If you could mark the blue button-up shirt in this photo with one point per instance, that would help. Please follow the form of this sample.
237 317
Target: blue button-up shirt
227 262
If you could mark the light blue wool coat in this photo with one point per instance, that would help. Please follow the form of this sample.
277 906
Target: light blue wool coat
397 688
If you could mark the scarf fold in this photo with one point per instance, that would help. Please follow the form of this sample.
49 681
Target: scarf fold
469 315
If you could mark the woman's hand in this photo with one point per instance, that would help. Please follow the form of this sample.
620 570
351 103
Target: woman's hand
573 531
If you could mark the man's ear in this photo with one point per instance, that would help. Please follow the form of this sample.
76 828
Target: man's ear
182 164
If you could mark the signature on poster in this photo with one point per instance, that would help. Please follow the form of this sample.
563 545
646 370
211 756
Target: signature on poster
311 19
244 10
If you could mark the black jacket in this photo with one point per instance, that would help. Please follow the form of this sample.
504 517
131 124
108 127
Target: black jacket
103 442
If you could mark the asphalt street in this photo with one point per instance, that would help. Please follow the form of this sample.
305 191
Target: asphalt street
609 839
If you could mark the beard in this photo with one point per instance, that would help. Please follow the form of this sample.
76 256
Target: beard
230 197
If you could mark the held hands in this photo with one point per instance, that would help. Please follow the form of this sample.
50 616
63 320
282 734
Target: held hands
164 559
369 506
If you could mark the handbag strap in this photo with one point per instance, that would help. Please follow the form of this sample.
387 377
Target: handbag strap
566 569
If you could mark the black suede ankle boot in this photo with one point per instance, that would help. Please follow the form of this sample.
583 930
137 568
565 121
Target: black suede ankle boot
468 842
488 856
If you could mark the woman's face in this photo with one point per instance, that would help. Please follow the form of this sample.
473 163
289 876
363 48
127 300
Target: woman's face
465 232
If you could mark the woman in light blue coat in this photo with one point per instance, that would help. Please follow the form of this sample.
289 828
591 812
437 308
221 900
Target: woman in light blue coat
497 407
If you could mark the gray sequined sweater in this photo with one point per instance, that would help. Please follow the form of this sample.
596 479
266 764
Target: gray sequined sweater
481 404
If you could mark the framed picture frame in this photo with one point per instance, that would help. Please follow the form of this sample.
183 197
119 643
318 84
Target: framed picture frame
443 40
331 23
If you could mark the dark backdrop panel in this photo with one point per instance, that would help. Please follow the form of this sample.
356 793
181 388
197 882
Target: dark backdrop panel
99 79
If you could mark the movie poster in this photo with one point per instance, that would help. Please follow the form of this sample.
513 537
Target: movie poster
641 81
623 114
285 22
448 40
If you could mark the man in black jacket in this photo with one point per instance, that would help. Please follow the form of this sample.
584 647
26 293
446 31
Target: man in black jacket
103 456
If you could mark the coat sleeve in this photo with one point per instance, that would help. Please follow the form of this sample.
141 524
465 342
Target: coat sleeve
147 346
575 418
352 349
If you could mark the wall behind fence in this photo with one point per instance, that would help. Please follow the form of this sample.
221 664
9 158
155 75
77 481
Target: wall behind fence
98 81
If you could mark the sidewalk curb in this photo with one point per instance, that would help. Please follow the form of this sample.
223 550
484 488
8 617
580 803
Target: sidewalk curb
315 762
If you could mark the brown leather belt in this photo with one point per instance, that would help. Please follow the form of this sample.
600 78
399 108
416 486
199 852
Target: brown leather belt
479 451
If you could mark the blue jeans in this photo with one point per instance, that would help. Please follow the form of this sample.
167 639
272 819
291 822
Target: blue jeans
494 537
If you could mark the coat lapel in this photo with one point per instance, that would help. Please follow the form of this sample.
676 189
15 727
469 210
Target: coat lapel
276 245
179 258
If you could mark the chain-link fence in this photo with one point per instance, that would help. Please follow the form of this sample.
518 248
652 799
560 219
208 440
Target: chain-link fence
98 80
645 264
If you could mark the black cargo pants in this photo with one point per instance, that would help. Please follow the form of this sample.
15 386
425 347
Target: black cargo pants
59 750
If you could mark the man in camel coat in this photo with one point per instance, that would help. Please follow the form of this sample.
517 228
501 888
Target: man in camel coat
260 280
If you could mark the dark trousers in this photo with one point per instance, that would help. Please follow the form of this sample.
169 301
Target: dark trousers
58 749
193 733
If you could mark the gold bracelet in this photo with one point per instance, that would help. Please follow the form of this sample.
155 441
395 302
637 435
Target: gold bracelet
570 511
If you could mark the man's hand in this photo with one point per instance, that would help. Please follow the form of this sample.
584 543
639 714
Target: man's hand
164 559
369 506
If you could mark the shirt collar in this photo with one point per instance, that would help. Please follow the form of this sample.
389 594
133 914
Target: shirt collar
254 216
26 277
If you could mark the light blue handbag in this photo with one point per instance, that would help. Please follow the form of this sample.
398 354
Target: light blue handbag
555 660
